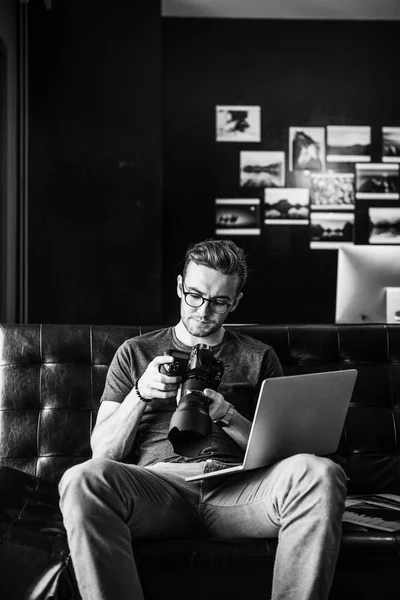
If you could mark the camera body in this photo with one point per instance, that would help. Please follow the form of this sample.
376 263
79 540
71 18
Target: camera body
190 426
180 364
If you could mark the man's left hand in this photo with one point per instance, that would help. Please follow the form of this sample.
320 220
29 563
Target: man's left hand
218 405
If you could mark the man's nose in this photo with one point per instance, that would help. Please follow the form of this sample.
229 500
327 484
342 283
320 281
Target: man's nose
204 309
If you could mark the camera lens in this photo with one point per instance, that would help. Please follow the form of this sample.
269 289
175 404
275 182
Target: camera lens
191 425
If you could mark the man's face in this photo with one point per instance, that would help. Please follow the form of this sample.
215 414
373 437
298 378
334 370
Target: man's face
211 284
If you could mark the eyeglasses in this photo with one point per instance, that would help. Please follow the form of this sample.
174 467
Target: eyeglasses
219 307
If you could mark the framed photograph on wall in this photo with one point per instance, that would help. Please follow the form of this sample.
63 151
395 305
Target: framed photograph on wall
332 191
391 144
330 230
262 169
377 181
238 123
384 225
239 216
348 144
286 206
306 148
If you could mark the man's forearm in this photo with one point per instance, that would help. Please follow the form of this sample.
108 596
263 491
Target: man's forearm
239 429
114 436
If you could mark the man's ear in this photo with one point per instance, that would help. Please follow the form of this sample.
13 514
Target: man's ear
236 302
179 282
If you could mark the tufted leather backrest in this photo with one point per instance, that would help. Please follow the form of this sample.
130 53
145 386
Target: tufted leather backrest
52 377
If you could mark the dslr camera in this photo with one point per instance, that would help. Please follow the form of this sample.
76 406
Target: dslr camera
190 426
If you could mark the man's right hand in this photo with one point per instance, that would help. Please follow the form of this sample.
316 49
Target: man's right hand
153 384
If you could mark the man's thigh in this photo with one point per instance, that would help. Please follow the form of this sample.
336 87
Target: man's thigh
240 505
151 501
164 504
250 504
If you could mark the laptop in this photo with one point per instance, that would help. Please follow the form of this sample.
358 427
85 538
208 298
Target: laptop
295 414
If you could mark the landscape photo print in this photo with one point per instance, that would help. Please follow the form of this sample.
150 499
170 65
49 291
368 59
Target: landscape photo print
331 230
262 169
384 225
238 123
286 206
348 143
377 181
390 144
237 216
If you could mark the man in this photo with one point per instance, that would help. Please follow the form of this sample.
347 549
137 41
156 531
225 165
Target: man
134 487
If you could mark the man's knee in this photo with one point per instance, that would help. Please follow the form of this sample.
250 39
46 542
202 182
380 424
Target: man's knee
319 472
78 480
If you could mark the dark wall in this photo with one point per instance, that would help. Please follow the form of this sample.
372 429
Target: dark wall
8 160
95 219
301 73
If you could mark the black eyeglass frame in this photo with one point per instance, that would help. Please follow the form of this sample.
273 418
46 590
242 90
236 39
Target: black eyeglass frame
209 300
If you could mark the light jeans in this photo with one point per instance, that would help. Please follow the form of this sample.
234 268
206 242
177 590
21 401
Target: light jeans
106 505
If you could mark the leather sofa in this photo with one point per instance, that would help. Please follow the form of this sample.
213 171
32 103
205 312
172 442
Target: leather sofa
51 380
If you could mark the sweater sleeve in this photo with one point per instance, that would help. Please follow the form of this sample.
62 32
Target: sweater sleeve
272 366
119 379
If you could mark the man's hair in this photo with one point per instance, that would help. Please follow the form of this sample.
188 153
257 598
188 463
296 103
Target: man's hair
222 255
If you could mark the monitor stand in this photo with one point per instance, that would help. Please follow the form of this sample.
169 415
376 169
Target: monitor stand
392 304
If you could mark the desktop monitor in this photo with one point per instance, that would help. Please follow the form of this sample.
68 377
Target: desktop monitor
368 284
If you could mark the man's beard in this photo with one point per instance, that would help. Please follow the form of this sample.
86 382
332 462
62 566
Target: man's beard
199 329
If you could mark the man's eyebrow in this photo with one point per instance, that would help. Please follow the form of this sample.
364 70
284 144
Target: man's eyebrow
193 289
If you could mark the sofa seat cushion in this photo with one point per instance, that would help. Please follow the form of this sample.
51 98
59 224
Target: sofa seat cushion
360 542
